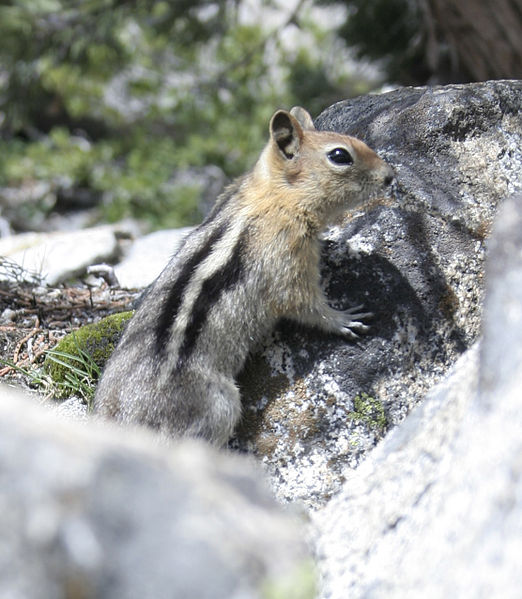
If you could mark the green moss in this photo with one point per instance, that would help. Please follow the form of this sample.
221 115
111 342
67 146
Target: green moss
92 343
369 411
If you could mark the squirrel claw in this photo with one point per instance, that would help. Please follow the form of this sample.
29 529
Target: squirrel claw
352 324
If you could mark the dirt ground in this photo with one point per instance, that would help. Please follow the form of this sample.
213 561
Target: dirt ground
33 318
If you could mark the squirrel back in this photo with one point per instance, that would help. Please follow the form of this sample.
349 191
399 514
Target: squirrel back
254 259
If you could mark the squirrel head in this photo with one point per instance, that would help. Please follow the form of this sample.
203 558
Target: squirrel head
324 172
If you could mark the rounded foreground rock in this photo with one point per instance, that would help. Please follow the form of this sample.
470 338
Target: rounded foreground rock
92 511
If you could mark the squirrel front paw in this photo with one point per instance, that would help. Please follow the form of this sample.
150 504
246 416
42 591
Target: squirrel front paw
350 322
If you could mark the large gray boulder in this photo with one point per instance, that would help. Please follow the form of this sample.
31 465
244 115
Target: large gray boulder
436 510
315 404
96 512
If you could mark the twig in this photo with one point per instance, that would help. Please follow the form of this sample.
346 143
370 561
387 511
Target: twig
23 340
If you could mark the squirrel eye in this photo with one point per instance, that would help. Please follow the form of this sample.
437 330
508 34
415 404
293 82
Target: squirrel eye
340 156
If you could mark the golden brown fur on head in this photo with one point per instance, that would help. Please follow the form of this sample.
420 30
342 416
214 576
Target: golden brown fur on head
311 174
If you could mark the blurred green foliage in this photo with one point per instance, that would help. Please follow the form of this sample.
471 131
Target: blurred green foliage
104 101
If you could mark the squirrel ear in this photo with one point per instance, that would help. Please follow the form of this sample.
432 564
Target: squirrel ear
286 132
304 118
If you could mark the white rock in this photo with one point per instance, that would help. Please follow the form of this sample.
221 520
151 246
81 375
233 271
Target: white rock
73 408
147 257
111 513
57 256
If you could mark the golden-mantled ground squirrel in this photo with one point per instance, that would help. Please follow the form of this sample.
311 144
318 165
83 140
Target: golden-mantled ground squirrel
253 260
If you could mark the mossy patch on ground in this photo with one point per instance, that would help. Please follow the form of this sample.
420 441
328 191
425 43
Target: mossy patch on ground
97 340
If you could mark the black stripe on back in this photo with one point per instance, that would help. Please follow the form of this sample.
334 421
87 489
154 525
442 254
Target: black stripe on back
171 306
211 291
